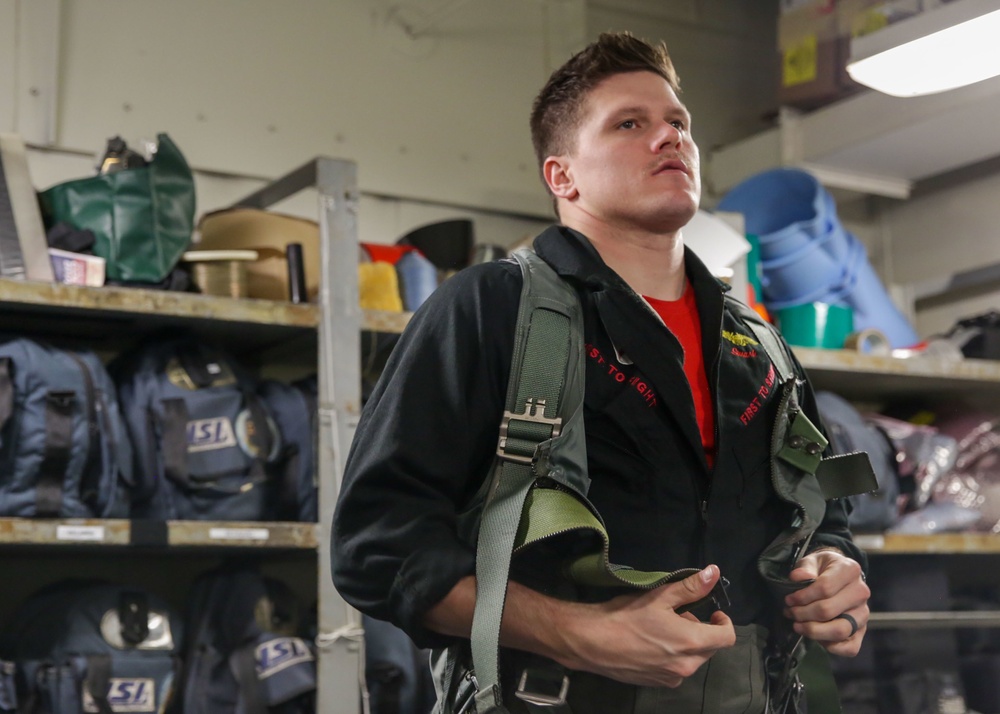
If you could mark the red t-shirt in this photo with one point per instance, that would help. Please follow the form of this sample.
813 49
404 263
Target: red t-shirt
681 318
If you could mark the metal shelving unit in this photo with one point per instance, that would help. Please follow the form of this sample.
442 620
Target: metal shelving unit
73 532
323 337
866 377
870 378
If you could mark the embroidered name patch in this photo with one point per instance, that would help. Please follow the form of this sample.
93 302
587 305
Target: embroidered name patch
755 404
637 383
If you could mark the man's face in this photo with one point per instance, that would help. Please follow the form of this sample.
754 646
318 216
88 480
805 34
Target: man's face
634 164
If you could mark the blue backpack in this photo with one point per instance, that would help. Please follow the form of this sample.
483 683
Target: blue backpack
83 646
397 673
293 408
64 450
245 654
205 446
850 432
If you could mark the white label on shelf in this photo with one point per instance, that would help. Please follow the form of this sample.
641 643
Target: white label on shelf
870 542
238 533
80 533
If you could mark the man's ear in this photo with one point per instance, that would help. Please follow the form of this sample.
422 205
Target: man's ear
559 178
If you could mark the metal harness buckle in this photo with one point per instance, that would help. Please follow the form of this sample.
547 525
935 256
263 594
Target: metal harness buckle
534 411
545 687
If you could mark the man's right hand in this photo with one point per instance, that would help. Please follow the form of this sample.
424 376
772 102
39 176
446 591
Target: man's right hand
641 639
636 639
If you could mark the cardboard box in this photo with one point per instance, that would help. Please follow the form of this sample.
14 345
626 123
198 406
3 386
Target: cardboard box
814 53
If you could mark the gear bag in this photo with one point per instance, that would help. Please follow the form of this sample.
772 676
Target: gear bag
397 672
536 492
293 408
205 446
850 431
245 654
84 647
64 450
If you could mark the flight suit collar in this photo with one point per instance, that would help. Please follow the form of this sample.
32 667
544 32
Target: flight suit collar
636 332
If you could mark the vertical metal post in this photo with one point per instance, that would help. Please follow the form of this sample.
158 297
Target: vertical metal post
339 666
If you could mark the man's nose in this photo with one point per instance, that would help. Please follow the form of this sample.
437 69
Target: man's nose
668 136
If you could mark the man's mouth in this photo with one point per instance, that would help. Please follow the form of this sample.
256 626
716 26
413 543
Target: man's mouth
671 165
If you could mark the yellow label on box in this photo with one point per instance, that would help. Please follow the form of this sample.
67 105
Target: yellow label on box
799 62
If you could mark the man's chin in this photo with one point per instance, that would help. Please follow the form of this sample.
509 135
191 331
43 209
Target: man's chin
672 220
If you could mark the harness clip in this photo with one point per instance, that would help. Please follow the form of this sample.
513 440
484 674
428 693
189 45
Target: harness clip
534 412
542 687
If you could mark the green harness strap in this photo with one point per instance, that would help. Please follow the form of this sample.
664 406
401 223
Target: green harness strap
543 342
541 436
544 399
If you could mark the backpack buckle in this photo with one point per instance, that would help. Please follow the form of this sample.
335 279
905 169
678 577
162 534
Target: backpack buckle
542 687
534 413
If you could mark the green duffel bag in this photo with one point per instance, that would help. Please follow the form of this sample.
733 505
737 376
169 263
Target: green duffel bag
142 218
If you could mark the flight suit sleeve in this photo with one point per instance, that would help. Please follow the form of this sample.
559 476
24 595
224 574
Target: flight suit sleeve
423 446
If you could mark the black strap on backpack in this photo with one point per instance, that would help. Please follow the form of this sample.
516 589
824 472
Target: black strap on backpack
98 682
58 442
174 440
94 466
6 391
243 663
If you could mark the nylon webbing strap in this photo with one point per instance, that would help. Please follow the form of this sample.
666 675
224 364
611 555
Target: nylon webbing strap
94 466
55 461
6 391
838 476
555 512
243 665
98 682
539 384
174 440
775 352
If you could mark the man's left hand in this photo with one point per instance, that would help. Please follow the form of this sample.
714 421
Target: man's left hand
833 610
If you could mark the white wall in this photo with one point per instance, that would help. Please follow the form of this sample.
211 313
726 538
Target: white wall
429 97
256 87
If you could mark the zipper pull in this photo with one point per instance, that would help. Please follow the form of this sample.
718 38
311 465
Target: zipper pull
704 510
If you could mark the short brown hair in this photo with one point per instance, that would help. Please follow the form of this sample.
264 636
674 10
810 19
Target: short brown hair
557 110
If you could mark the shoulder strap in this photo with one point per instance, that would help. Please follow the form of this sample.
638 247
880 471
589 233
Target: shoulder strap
543 343
839 476
541 435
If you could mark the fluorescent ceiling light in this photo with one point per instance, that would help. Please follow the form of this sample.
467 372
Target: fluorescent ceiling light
948 47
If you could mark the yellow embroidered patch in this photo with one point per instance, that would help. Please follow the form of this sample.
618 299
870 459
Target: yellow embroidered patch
738 339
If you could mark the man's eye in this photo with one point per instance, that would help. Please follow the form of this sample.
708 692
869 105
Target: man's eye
627 124
677 124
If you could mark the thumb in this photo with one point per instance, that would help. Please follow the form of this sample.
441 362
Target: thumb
806 569
692 588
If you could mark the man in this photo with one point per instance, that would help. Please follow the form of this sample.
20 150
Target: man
678 410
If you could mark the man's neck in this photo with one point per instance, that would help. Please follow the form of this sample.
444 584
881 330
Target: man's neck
652 264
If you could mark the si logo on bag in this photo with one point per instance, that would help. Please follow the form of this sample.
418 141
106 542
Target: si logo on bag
95 647
207 434
125 695
275 655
